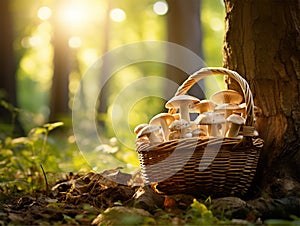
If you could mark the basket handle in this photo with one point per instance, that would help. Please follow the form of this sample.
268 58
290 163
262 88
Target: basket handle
210 71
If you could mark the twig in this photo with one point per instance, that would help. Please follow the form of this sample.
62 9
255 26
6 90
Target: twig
45 177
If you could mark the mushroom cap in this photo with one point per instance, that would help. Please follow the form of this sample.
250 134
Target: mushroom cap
236 119
147 130
138 128
228 107
179 125
212 119
177 101
168 118
203 106
227 96
199 117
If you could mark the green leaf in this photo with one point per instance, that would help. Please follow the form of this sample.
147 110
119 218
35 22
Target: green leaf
51 126
9 106
37 131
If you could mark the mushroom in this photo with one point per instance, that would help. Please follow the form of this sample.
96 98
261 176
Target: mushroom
228 110
150 131
227 96
163 120
138 128
176 116
212 120
174 135
182 127
183 103
198 119
241 111
198 132
236 122
203 106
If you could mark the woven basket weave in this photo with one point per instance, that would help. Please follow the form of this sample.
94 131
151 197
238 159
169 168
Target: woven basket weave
215 166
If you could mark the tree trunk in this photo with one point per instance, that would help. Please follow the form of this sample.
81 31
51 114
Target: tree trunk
7 62
262 44
104 94
184 28
8 70
61 63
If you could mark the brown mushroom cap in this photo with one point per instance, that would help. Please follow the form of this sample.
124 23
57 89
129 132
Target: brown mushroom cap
236 119
227 96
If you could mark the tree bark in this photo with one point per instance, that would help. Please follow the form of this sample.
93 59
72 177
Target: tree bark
184 28
262 43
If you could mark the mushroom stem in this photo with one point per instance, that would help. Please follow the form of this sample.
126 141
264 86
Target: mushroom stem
225 128
213 130
234 130
184 113
165 130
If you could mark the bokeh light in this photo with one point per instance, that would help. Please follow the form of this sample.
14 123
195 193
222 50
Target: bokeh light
89 56
117 15
75 42
160 7
35 41
44 13
74 14
216 24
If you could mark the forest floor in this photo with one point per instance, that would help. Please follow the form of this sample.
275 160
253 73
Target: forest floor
95 199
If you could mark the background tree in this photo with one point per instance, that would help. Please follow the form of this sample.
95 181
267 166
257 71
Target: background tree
184 28
61 69
262 44
8 68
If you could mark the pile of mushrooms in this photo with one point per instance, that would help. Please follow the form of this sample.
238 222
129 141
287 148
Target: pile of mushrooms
223 115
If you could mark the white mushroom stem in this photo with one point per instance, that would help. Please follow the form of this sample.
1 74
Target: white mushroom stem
225 129
234 130
165 130
184 113
213 130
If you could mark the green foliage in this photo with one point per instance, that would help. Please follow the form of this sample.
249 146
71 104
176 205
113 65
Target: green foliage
21 159
199 214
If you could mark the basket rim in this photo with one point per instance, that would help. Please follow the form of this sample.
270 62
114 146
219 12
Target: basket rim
212 71
145 146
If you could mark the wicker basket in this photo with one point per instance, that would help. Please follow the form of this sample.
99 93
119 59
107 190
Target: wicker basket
203 166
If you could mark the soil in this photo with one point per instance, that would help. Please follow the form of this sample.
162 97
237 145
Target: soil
95 198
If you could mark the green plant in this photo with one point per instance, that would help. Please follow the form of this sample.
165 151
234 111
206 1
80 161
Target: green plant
199 214
23 159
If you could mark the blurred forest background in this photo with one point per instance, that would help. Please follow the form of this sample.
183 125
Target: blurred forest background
47 46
